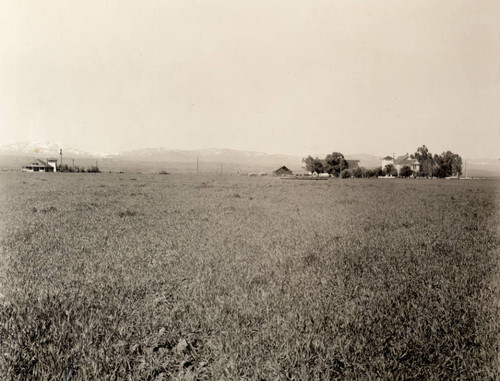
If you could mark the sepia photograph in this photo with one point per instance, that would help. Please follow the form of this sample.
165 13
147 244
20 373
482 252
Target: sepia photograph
249 190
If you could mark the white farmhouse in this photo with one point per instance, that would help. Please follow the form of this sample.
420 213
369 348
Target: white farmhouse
37 165
400 162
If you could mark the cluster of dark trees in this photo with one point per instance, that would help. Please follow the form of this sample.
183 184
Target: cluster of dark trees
78 169
336 165
444 165
365 173
332 164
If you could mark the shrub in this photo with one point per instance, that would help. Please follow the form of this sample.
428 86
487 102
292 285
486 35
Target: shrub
390 170
369 173
358 172
378 172
345 174
405 171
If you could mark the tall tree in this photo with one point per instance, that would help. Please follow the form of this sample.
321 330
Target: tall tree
425 159
447 164
313 164
390 170
335 163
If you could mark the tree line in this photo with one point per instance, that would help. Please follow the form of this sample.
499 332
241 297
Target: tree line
444 165
78 169
335 164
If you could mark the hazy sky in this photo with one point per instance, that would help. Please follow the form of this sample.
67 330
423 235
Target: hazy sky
287 76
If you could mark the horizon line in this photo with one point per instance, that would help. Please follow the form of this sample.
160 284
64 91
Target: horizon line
61 146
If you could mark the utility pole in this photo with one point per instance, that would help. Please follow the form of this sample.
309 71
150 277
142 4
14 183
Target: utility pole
60 153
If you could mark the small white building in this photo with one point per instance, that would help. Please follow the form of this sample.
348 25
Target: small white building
38 165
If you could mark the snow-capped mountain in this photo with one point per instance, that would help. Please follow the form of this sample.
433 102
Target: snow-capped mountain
149 159
45 149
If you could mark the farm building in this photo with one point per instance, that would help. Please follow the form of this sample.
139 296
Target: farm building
38 165
400 162
282 171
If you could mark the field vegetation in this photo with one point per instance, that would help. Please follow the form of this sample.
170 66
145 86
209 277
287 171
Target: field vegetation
183 277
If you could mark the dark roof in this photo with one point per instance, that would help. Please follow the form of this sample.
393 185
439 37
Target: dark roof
387 158
284 168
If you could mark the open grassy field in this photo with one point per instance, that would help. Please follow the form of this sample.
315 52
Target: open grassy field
143 277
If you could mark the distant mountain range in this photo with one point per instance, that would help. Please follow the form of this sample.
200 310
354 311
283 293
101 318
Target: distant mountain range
13 156
160 158
44 149
209 154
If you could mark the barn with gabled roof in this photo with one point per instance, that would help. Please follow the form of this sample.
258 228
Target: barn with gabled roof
282 171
